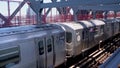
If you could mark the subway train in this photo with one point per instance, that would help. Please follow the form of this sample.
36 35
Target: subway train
49 45
81 36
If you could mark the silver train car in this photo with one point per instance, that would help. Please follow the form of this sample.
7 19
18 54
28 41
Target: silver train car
82 35
112 27
32 47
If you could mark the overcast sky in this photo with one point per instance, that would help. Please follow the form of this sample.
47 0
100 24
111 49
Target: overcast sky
13 6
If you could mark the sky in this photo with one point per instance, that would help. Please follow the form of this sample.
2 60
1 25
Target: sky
13 6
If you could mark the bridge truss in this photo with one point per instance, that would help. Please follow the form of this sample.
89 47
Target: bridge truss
68 10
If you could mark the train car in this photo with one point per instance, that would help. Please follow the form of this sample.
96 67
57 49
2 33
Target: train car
118 24
71 34
93 34
32 47
82 35
116 28
87 35
99 32
111 27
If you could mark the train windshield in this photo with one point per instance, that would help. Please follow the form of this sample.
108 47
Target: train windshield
68 37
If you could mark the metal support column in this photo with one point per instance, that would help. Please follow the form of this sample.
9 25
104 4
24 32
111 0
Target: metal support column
115 14
94 14
105 15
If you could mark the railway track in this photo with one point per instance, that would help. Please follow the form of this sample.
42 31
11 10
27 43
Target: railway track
96 55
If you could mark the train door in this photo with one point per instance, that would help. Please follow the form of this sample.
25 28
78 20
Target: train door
107 30
49 52
112 28
116 27
85 38
102 32
91 36
45 47
41 61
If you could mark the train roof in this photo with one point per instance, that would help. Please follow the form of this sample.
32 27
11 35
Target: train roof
72 25
110 20
86 24
24 29
97 22
92 23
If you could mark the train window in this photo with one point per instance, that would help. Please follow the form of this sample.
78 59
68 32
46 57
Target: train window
91 29
102 29
49 45
83 35
68 37
9 56
41 47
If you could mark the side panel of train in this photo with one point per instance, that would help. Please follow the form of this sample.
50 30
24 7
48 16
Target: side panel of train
18 53
118 24
98 31
51 50
37 49
112 27
92 35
